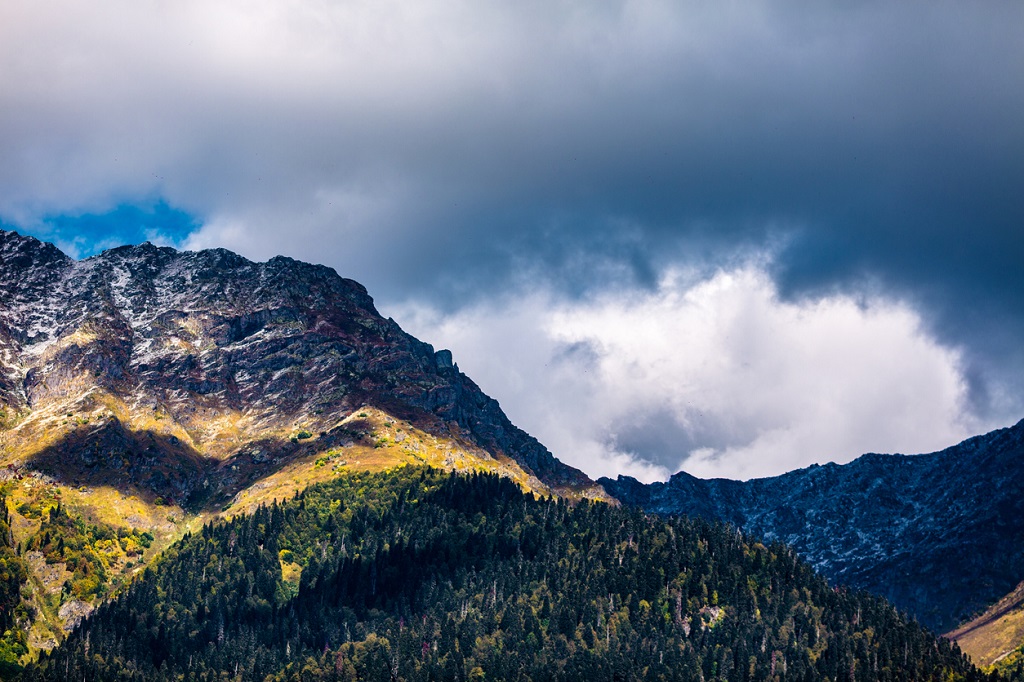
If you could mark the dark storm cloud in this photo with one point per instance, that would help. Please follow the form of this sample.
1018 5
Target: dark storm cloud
879 142
881 139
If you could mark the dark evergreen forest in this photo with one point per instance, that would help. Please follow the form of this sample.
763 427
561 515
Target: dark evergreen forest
420 575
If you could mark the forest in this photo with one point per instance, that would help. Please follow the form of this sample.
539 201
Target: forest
416 574
13 575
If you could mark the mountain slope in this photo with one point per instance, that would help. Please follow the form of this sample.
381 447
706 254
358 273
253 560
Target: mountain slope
939 535
996 637
146 390
416 575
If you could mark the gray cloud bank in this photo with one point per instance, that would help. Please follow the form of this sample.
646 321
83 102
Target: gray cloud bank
447 152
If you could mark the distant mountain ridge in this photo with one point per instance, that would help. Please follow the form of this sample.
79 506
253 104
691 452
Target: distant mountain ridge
940 535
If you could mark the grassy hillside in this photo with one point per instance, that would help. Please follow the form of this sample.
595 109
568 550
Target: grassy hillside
996 638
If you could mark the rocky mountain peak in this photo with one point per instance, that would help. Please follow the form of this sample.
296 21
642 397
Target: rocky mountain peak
220 352
26 251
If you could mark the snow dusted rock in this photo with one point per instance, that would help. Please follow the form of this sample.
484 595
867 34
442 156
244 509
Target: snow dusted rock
940 535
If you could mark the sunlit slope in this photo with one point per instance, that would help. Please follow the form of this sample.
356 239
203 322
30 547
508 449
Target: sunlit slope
997 636
128 511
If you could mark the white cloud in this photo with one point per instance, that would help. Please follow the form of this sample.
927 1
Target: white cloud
716 376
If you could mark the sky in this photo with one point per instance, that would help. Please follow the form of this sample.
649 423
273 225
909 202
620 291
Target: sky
730 238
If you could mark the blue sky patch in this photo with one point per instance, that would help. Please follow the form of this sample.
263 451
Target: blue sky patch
87 234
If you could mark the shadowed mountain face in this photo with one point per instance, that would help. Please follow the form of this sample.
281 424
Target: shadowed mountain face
940 535
186 361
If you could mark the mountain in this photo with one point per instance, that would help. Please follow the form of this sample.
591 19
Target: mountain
227 353
415 574
145 391
939 535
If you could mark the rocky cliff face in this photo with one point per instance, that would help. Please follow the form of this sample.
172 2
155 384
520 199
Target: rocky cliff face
940 535
160 366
